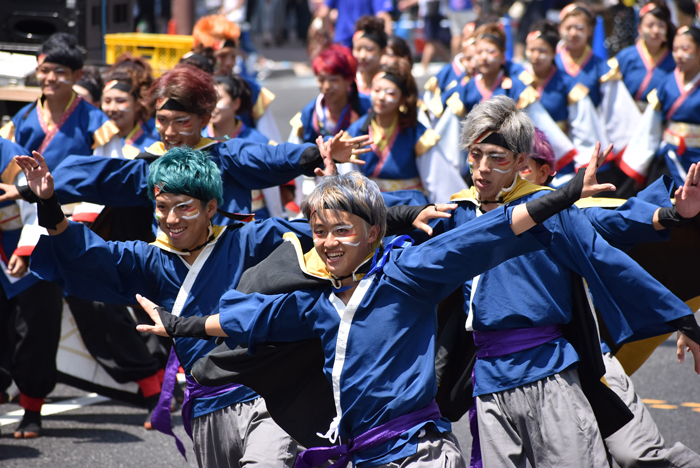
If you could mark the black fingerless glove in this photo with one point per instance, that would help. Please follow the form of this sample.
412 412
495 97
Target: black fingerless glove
669 217
49 212
27 195
399 219
181 327
547 206
310 159
688 326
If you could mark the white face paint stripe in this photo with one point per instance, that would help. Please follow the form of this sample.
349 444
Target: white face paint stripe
192 216
345 239
501 171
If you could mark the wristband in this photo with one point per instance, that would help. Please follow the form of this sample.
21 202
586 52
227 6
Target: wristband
27 194
669 217
547 206
181 327
400 218
49 212
688 326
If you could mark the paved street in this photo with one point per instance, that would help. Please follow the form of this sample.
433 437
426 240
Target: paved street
110 434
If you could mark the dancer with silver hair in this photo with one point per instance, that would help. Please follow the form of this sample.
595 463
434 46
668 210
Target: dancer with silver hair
377 323
520 309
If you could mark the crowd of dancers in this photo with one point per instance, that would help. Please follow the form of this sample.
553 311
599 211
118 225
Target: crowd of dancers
407 257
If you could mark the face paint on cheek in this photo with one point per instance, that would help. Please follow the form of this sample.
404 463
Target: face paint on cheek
346 239
192 216
159 126
222 106
391 99
159 216
186 124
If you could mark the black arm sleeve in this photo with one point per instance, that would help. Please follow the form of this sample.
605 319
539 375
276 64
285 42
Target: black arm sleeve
688 326
178 327
399 219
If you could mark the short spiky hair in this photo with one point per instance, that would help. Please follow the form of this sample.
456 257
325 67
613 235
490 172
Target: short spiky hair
499 114
353 193
184 171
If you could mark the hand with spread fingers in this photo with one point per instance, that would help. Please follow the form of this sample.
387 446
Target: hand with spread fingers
39 178
152 311
590 182
685 344
344 151
329 165
439 210
688 196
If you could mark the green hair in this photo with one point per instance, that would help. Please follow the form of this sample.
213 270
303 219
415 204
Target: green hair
185 171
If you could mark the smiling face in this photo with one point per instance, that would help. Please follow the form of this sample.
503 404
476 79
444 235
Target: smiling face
493 168
489 58
226 108
541 56
178 128
333 87
342 240
685 53
56 81
367 53
184 219
122 108
653 31
386 97
575 30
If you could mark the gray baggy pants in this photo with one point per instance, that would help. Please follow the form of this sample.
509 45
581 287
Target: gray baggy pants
242 435
545 424
639 443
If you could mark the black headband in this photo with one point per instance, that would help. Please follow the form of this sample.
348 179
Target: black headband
376 37
170 104
198 57
352 209
495 138
494 38
401 84
120 85
91 88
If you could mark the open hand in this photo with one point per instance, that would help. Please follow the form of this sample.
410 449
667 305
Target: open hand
685 344
329 167
344 151
688 196
150 309
590 182
438 210
39 178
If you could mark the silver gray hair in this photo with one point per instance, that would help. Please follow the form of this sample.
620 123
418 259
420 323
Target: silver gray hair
499 114
353 193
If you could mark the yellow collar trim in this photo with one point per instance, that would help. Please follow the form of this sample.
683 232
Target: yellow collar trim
520 189
163 241
158 148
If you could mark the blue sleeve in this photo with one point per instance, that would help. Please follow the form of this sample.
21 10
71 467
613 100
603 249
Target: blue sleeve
630 299
437 267
258 166
105 181
87 266
332 4
262 237
632 223
382 5
257 318
404 197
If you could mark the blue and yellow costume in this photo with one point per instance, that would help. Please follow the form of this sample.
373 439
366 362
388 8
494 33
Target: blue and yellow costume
641 72
310 123
83 130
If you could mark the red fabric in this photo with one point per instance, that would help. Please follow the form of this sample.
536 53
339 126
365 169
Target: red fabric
639 178
566 159
85 217
24 250
150 385
29 403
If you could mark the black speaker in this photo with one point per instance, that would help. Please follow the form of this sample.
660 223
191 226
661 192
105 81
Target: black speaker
25 25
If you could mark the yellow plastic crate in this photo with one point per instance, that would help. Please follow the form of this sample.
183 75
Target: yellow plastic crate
163 51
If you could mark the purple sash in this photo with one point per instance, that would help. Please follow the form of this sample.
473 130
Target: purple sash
375 436
501 343
160 419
